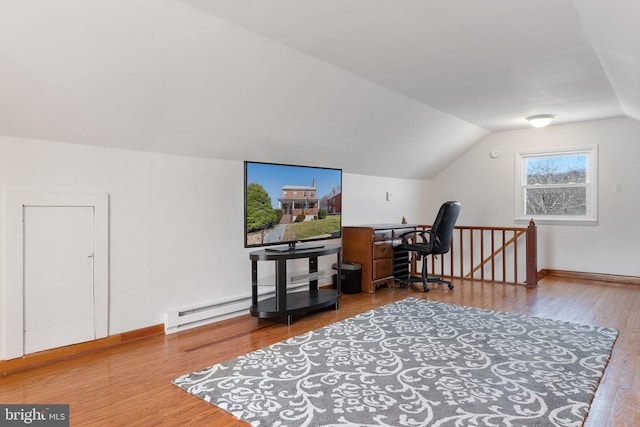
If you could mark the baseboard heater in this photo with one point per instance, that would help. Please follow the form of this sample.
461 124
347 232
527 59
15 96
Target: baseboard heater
192 317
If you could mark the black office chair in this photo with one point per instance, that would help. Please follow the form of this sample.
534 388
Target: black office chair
438 242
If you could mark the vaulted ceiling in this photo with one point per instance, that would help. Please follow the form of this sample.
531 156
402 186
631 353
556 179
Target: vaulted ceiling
376 87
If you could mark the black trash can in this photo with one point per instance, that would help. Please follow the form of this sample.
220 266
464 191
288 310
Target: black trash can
351 278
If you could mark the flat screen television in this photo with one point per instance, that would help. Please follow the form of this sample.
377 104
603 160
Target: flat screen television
291 204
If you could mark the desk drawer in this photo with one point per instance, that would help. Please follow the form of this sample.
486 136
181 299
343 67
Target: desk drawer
380 235
382 250
382 268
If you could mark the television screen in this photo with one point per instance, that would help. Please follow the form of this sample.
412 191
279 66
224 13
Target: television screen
286 204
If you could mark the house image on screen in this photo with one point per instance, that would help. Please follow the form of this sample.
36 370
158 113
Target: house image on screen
334 201
298 200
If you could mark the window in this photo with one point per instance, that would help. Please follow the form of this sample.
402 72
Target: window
557 186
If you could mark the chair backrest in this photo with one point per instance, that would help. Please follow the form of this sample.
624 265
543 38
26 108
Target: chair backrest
442 229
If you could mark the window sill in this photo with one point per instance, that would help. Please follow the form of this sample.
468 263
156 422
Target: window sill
558 220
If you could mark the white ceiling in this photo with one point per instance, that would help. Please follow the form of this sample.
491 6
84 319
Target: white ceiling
377 87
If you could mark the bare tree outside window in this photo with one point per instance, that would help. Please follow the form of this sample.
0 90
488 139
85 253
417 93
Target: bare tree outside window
556 185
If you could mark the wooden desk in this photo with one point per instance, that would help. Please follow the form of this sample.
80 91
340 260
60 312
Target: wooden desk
372 247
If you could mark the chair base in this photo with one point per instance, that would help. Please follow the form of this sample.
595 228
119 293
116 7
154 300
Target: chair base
425 286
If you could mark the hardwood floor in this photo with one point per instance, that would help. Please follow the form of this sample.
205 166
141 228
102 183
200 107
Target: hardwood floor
131 384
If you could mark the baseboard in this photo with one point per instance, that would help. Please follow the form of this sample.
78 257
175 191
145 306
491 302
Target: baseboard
600 277
57 354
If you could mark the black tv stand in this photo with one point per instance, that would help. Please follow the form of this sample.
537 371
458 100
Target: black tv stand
284 305
292 247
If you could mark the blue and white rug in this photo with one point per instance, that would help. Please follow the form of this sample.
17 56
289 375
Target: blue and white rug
416 363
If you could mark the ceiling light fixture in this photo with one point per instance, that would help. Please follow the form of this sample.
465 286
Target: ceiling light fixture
541 120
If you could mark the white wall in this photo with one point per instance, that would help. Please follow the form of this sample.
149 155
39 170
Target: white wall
176 223
365 200
172 236
486 188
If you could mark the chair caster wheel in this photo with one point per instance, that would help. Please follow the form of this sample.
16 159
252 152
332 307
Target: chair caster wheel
425 289
450 287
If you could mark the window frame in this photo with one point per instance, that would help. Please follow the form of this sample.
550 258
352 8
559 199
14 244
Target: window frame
591 185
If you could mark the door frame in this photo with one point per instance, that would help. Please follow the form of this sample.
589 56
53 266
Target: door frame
12 306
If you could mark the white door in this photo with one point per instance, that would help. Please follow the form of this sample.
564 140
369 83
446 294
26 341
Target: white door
59 307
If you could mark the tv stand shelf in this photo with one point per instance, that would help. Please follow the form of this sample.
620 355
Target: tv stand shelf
286 304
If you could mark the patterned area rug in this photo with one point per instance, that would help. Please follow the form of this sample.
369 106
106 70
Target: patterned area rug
416 363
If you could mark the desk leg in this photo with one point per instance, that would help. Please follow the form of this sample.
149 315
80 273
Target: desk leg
281 285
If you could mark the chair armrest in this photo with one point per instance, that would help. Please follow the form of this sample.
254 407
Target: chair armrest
404 235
